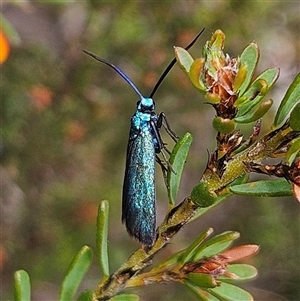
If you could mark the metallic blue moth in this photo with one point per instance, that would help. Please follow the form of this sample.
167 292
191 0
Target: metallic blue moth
138 201
145 143
138 204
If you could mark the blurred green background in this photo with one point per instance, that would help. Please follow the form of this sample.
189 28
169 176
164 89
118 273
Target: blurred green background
65 122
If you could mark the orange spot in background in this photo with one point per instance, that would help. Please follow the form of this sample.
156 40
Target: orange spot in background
185 37
41 97
85 212
150 79
75 131
2 257
4 47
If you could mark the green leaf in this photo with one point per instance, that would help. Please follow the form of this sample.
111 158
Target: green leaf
101 238
77 269
256 113
229 292
249 59
21 286
290 98
202 294
195 72
216 43
177 161
215 245
87 295
190 250
213 53
295 117
240 180
242 271
125 297
202 280
293 151
257 91
184 256
184 59
223 125
268 188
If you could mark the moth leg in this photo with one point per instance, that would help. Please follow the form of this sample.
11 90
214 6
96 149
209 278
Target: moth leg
163 121
164 169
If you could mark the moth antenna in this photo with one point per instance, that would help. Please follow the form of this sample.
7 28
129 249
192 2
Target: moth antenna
170 66
119 71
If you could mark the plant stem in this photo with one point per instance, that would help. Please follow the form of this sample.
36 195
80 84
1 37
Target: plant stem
186 210
174 221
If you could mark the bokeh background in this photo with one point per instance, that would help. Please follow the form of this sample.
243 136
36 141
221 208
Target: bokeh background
65 121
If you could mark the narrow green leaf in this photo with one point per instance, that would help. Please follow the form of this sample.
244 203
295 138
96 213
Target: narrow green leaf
87 295
240 77
295 117
101 238
189 251
229 292
293 151
203 295
290 98
240 180
268 188
256 113
213 53
241 101
184 59
202 280
195 74
257 91
177 161
249 59
242 271
125 297
185 255
216 245
22 286
173 259
77 269
216 43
